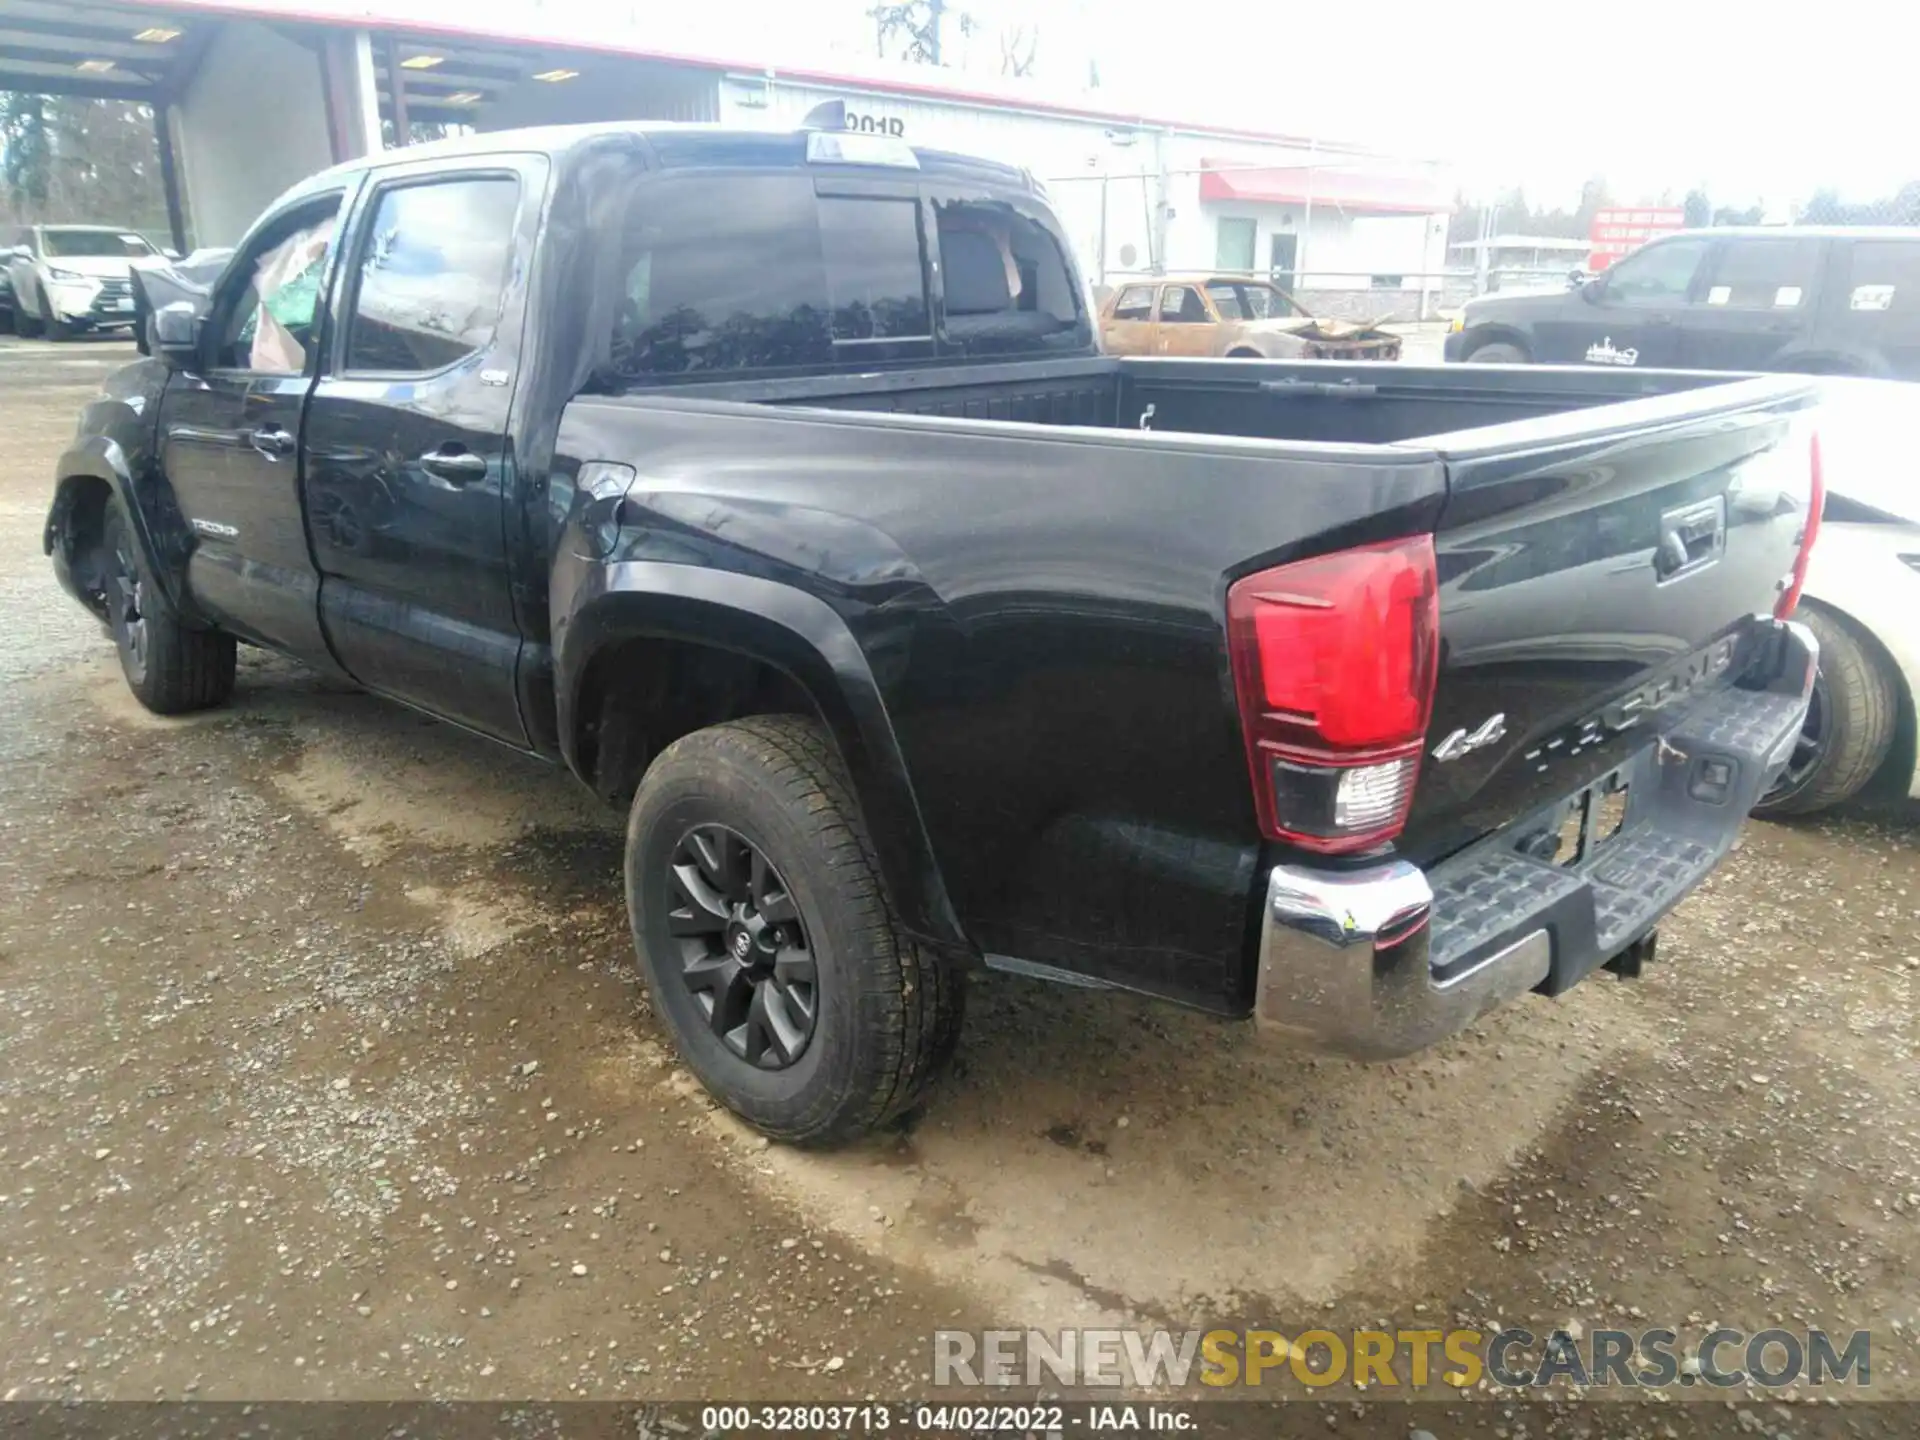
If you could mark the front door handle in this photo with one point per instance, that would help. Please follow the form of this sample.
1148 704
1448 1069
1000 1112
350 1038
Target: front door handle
272 443
461 467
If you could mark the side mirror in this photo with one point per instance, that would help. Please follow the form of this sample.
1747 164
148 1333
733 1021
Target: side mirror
1592 290
1576 277
173 333
171 253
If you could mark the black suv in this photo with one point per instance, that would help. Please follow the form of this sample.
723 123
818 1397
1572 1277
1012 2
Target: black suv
1827 301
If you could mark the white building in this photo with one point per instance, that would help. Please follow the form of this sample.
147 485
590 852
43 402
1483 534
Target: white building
253 95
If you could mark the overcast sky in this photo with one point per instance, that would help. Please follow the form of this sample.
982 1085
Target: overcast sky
1752 101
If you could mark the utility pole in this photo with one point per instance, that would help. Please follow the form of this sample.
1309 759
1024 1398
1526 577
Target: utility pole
936 13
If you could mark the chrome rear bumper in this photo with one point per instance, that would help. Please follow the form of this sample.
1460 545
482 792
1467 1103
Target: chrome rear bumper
1386 960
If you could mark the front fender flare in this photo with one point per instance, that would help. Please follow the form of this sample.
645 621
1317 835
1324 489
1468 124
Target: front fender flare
158 528
803 637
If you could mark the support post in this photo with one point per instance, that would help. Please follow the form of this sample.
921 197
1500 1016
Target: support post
169 174
397 92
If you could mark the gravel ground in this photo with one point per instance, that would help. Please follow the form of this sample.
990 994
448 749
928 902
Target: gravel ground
325 1073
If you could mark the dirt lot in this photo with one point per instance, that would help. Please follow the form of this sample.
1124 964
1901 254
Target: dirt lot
324 1073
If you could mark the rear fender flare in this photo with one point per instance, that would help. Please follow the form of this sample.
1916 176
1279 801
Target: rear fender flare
1830 360
158 528
804 638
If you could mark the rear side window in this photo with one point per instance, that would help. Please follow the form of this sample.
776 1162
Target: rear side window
1764 274
1883 276
431 275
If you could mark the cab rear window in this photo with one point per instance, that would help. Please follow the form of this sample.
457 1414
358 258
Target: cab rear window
722 275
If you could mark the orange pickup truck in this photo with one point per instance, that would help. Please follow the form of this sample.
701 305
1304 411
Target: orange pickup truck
1214 315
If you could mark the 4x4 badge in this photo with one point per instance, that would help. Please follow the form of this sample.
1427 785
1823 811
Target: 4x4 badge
1465 742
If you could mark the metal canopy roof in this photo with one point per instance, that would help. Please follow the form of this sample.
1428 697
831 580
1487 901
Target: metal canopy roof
98 51
92 50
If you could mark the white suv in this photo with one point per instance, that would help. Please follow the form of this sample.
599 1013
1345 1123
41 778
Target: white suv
69 278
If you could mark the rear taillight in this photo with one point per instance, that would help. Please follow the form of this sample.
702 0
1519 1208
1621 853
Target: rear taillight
1333 665
1816 502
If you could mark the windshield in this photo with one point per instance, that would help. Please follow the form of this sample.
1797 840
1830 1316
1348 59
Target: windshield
94 244
1244 300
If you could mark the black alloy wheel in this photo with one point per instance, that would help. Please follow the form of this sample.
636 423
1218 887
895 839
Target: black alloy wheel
1810 745
743 948
126 607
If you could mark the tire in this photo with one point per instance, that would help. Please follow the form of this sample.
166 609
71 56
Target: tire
1850 721
1497 352
26 326
57 330
170 669
879 1017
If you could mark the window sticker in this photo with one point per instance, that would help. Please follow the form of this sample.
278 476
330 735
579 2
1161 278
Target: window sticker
1786 297
1871 297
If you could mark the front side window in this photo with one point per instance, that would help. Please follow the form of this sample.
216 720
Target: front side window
1658 275
270 325
432 271
1764 274
93 245
1135 303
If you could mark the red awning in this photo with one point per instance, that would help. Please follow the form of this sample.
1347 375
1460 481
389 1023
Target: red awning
1374 188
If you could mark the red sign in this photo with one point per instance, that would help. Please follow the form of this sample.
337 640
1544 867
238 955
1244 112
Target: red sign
1617 231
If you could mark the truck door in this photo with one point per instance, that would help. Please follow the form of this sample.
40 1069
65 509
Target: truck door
1758 298
408 465
1184 325
229 432
1632 314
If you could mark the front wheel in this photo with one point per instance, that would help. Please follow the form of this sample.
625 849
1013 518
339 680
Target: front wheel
170 668
1849 726
1498 352
767 940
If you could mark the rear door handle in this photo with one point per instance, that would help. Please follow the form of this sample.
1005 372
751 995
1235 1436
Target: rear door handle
272 443
460 467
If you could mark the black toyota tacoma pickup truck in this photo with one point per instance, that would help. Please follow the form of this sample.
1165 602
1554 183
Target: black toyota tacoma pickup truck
775 485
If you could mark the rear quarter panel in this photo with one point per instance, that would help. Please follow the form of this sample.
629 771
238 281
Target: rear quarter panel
1041 611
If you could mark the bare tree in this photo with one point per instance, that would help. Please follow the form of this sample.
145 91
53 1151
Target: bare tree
1019 46
75 159
914 30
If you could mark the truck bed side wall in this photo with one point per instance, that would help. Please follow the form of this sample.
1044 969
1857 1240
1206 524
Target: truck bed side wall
1040 611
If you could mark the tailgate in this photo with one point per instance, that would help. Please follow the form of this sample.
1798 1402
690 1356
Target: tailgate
1597 568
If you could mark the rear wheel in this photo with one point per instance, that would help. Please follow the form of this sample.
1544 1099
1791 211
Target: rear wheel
1497 352
170 668
766 937
1850 722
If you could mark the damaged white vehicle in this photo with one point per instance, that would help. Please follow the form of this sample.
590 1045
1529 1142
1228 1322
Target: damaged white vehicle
1862 600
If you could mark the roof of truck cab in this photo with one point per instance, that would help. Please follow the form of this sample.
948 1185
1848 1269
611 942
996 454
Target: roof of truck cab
671 146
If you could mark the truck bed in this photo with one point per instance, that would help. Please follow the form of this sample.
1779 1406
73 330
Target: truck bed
1021 565
1265 400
